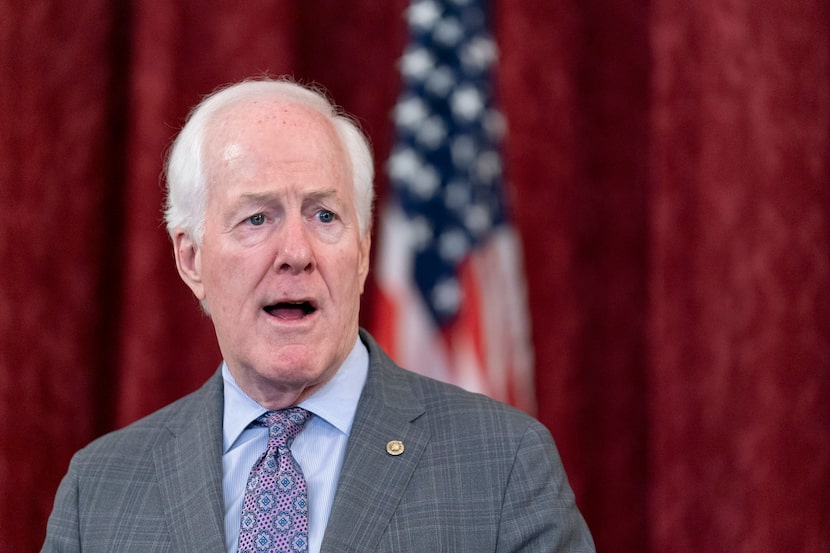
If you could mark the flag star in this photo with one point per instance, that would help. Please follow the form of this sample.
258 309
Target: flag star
424 182
446 295
456 194
488 167
432 132
410 112
478 54
453 245
463 151
467 103
440 81
416 64
478 220
403 163
423 14
448 32
420 233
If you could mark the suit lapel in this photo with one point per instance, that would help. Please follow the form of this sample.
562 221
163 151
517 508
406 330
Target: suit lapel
189 469
373 480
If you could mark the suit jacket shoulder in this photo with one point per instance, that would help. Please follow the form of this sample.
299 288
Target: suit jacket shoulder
468 473
137 438
155 485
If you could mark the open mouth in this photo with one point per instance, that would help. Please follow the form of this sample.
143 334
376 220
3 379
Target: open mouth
290 311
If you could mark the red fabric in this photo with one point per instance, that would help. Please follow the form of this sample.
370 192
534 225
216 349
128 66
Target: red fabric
56 299
576 97
738 281
669 163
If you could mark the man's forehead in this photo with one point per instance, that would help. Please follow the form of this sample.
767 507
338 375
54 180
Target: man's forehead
251 123
265 111
254 139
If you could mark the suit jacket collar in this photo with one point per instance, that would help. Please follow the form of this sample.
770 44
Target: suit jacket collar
189 469
373 479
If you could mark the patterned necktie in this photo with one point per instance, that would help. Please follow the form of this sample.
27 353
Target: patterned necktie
275 509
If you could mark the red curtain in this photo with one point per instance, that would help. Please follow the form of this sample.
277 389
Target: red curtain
669 164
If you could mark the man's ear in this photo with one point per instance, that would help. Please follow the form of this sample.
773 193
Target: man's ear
189 262
363 259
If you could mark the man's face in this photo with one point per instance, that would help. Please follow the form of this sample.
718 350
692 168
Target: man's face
282 265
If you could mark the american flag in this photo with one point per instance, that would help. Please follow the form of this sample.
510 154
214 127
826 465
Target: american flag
452 298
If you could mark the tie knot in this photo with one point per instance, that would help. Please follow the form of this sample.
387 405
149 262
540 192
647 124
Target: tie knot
284 425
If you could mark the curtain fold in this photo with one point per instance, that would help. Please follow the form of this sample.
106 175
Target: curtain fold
575 89
668 164
740 235
54 190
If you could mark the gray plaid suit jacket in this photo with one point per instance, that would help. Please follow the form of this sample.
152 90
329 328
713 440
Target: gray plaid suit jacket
475 476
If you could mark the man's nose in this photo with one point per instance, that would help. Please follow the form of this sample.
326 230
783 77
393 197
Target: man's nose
294 252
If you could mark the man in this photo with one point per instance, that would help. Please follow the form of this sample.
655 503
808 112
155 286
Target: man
269 211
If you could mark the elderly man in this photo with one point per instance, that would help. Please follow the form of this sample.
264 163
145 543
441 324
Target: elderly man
308 437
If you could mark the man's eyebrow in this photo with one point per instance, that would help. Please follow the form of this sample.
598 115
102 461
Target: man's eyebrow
254 198
266 198
323 194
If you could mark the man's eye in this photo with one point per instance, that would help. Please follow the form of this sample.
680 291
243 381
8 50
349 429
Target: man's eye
257 220
326 216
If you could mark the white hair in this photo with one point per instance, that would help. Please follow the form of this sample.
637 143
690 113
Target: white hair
186 204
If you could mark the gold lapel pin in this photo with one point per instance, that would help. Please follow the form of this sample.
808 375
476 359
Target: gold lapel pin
394 447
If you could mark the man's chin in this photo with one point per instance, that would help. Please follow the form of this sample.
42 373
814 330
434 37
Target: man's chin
278 389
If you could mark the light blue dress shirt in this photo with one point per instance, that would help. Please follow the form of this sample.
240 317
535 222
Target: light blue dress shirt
319 448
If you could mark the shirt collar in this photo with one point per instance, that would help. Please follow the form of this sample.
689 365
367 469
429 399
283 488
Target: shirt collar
335 402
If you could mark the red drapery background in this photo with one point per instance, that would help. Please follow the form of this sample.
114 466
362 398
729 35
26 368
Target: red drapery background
669 163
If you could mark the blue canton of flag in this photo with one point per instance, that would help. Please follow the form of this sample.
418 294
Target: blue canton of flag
446 166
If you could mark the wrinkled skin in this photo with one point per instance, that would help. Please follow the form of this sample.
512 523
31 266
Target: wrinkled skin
282 264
